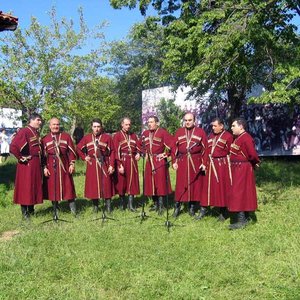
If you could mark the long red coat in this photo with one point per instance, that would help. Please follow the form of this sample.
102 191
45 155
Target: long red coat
189 151
98 183
59 153
243 157
157 178
127 146
217 180
28 182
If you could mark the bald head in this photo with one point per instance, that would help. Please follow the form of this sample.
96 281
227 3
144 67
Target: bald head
54 125
126 124
189 120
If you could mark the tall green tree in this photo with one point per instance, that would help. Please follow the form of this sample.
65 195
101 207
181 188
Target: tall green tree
170 115
230 46
136 63
43 69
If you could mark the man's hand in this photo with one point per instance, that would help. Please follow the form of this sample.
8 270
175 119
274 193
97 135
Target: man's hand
202 167
175 166
137 157
121 169
71 168
46 172
110 170
162 156
88 160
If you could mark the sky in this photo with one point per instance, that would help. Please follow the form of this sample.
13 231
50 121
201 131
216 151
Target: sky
95 12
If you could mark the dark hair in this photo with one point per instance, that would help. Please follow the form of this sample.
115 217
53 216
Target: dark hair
155 118
34 116
96 120
241 122
216 119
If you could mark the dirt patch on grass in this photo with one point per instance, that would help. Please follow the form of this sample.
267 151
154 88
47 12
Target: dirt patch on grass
8 235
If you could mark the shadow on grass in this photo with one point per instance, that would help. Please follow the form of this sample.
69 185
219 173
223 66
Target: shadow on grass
8 173
279 170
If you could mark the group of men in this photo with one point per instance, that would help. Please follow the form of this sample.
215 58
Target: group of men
215 171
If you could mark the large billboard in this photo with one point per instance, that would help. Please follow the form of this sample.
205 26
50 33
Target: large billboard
275 128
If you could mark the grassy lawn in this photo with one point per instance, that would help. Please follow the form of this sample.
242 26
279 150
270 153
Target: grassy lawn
130 259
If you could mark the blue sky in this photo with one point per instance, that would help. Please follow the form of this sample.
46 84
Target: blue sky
95 12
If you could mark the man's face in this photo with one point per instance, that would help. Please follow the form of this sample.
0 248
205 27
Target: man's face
189 121
126 124
216 127
36 123
54 125
96 128
236 129
152 125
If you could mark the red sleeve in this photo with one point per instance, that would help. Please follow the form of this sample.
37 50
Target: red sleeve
112 156
18 143
250 151
174 148
205 148
116 148
81 146
72 151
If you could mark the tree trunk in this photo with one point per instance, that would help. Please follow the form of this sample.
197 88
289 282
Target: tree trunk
235 101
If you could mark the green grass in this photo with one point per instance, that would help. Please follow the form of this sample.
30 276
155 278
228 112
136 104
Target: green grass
125 259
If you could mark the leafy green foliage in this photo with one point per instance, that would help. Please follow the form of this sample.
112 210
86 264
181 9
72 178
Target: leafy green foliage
169 114
229 47
42 69
136 64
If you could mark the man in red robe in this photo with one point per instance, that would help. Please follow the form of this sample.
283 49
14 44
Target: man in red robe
155 142
97 150
218 177
243 158
128 150
26 147
189 155
60 157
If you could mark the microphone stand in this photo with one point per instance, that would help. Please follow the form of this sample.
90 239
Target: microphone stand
101 161
55 201
143 216
168 224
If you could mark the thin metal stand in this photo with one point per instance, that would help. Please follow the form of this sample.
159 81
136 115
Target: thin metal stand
55 218
143 216
101 160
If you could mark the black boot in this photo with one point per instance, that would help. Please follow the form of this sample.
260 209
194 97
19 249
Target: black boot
192 209
30 209
72 206
154 206
202 213
122 205
130 203
95 205
176 212
223 214
24 211
161 207
241 221
55 210
108 205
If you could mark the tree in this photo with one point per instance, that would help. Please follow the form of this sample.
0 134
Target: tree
170 115
42 69
136 64
230 47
